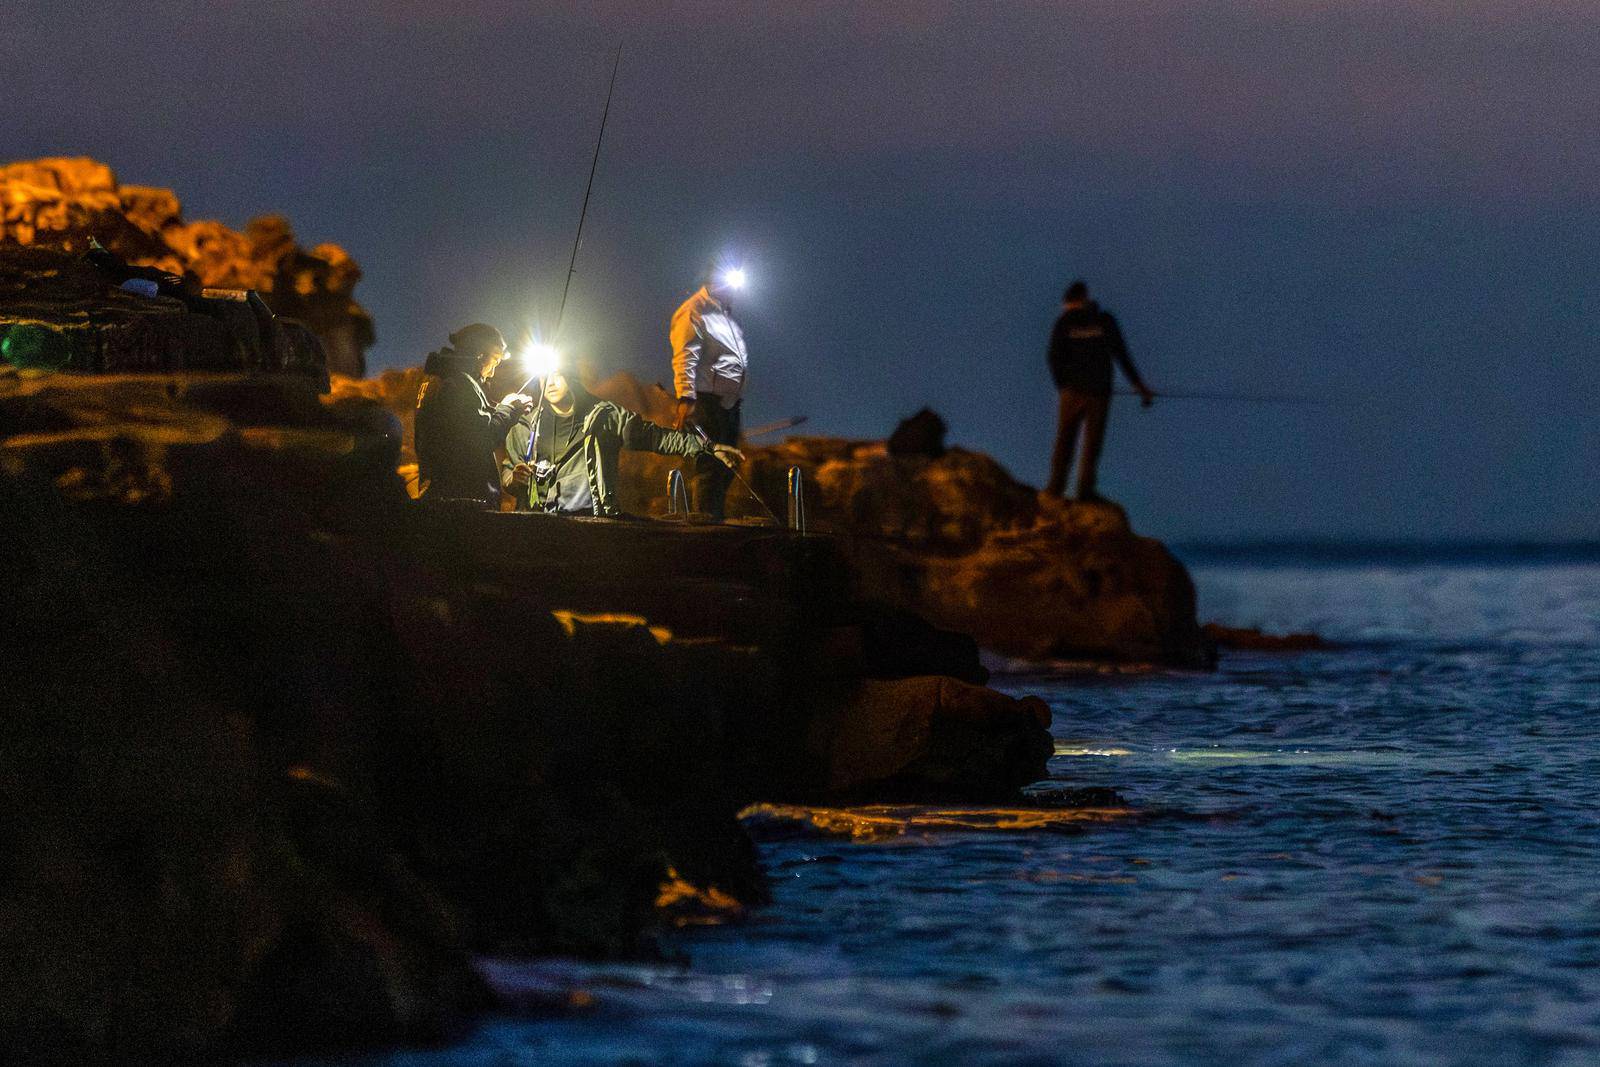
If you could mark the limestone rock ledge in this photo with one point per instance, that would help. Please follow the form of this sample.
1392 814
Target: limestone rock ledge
59 203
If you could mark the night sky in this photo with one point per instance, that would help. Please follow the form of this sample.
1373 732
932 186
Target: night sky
1391 203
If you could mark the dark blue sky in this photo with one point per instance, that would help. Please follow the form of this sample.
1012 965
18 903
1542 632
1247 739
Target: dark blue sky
1393 204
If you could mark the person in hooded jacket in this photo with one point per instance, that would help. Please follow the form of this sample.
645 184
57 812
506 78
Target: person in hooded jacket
572 467
1085 342
457 429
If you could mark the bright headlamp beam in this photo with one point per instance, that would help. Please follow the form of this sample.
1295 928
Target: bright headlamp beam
541 360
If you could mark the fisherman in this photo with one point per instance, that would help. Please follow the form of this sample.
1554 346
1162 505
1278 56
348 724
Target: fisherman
708 371
572 468
1083 345
457 428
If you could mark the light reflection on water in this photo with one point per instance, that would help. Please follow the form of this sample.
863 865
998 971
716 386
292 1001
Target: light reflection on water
1384 854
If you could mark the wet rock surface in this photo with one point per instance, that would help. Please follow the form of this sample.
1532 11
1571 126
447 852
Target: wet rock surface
915 736
282 749
58 204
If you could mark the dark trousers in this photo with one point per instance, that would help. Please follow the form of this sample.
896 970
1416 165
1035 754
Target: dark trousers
1088 412
709 479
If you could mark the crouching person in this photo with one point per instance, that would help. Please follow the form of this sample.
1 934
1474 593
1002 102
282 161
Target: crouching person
457 429
571 469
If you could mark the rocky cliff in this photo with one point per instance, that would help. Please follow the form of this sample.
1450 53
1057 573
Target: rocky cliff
58 204
280 750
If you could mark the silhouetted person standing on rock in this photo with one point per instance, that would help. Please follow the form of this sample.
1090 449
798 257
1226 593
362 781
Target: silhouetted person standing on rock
1083 345
457 428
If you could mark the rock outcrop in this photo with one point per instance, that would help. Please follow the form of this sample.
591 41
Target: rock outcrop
281 749
60 203
957 540
895 738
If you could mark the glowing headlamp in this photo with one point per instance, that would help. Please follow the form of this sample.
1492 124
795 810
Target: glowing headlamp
541 360
734 279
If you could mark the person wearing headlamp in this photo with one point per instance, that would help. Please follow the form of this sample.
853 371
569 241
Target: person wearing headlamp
457 429
708 372
562 457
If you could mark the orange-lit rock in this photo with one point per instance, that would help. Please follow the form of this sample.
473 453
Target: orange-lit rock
960 542
883 822
59 203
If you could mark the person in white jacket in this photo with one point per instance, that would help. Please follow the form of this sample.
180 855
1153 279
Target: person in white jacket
708 374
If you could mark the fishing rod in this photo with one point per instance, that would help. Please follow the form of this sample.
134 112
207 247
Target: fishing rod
594 164
1237 398
545 353
706 440
773 427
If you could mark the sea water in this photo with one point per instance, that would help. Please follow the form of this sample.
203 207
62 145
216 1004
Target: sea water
1386 852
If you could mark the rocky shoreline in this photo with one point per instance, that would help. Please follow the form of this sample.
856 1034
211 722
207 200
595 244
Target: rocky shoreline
287 750
281 751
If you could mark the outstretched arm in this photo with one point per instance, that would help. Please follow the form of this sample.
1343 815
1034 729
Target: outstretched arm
644 436
1119 351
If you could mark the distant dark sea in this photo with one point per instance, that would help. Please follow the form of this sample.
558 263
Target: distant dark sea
1386 853
1307 553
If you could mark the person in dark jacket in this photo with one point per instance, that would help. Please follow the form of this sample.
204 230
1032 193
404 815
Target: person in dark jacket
457 429
572 467
1083 345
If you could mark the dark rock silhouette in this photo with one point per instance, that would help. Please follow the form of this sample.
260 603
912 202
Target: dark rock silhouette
60 312
920 435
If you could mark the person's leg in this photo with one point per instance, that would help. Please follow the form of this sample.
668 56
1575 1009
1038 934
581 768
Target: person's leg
601 447
1069 413
1095 411
708 485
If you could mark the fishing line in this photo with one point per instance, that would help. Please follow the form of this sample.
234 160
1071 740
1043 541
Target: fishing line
1234 398
706 440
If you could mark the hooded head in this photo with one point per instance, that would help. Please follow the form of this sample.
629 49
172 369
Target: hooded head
476 349
563 387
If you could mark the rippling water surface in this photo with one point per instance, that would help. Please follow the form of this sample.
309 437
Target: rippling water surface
1387 853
